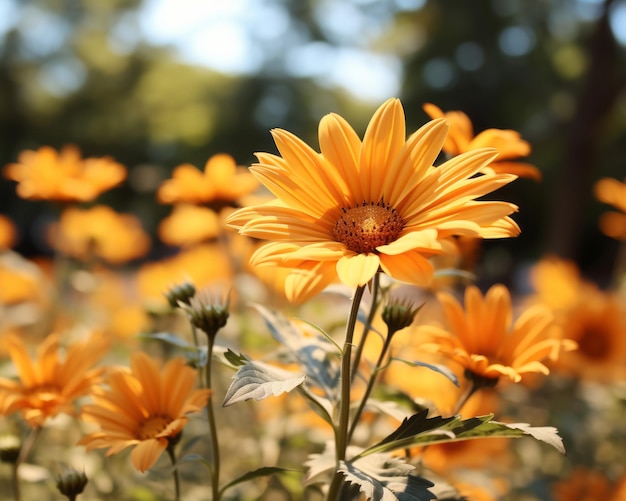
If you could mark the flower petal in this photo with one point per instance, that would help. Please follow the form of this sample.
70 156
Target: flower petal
357 270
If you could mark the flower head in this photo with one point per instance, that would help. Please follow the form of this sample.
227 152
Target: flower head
221 181
487 343
63 176
508 143
50 385
100 232
612 192
144 408
360 206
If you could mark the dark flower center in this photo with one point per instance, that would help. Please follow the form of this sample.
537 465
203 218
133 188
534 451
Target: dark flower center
152 426
367 226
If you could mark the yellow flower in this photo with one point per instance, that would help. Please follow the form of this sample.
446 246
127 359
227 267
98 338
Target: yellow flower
485 341
188 225
508 143
221 181
8 233
100 232
360 206
144 408
49 385
597 324
63 176
612 192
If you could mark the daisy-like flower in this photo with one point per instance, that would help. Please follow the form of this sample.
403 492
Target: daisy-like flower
189 224
363 206
100 232
144 408
221 181
487 343
50 385
64 176
612 192
509 143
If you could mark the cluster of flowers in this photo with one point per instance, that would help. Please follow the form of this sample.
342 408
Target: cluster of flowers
372 229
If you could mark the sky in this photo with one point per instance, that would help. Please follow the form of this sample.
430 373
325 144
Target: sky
222 34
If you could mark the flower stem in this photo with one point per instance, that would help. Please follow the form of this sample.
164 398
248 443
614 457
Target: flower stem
172 455
341 432
366 328
215 453
370 385
25 451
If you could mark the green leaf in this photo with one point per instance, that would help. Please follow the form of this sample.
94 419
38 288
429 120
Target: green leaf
381 477
236 359
311 352
257 380
170 338
414 425
459 429
439 368
264 471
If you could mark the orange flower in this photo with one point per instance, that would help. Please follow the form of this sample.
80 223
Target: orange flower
597 323
63 176
188 225
509 143
221 181
363 206
612 192
483 339
144 408
557 283
8 233
48 385
100 232
584 484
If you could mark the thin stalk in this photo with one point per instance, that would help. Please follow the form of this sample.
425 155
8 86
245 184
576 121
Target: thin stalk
25 451
366 328
172 455
370 384
215 452
341 431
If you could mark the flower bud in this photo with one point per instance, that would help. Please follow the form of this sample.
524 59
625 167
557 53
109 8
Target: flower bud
71 482
180 294
398 314
208 313
10 447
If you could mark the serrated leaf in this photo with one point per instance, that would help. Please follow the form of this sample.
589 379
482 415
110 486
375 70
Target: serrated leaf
469 429
264 471
235 359
439 368
414 425
311 352
256 381
548 434
382 477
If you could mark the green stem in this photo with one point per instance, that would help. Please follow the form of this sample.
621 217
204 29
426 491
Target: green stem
370 384
215 452
25 451
341 432
172 455
366 328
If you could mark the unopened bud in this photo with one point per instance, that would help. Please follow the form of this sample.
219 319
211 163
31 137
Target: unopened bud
398 314
71 482
180 294
208 313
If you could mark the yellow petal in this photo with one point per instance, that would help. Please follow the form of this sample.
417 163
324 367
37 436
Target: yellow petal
410 267
357 270
146 453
